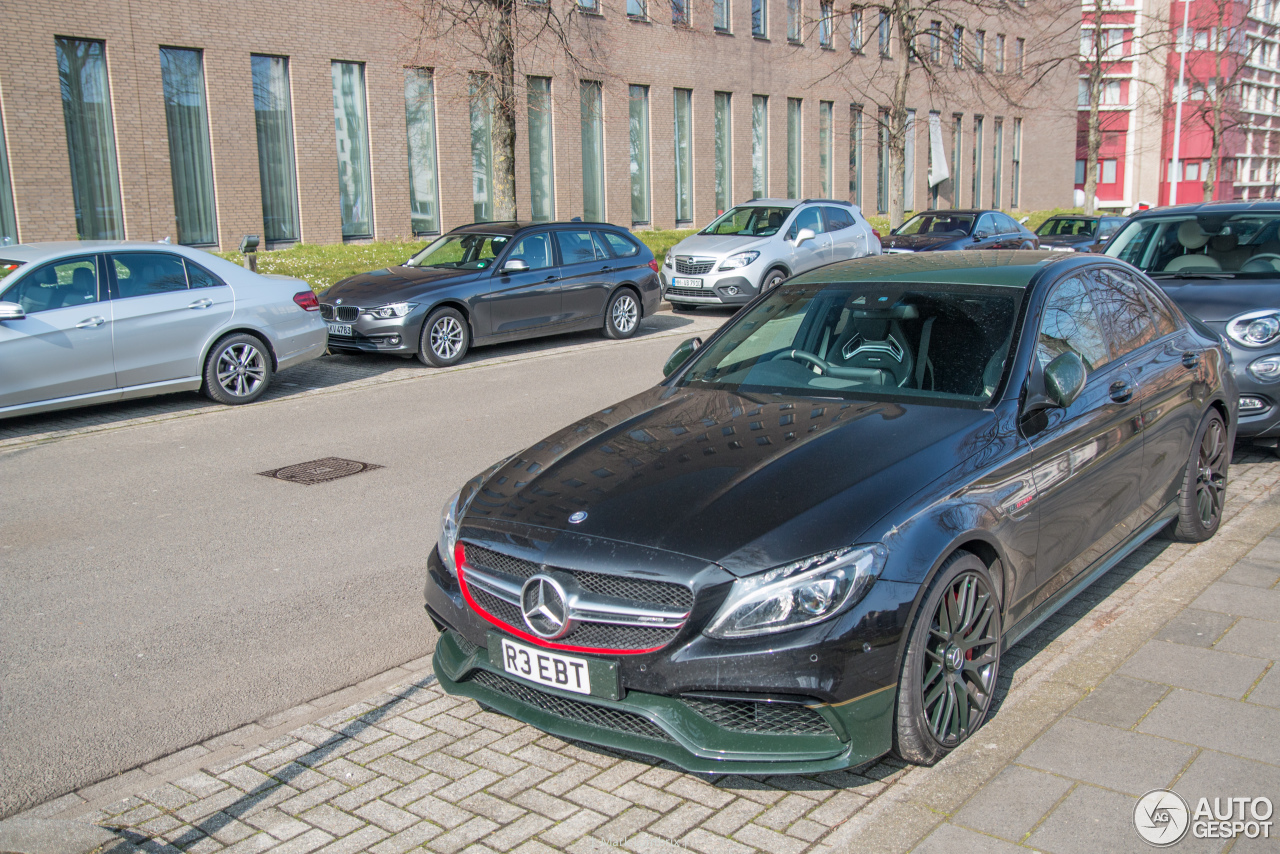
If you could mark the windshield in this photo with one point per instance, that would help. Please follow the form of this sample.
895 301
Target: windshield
1067 227
7 266
461 252
1194 245
930 343
749 221
936 224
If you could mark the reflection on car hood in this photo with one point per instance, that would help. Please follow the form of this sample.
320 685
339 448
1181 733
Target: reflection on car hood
1065 240
920 242
717 245
746 481
1222 298
392 283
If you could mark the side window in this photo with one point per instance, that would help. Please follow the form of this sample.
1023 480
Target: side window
1007 224
576 247
986 225
534 250
1108 227
1165 320
1120 302
807 218
1070 324
140 274
72 281
199 277
621 246
838 219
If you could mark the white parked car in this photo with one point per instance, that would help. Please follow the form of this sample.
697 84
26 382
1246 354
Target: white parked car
754 246
99 321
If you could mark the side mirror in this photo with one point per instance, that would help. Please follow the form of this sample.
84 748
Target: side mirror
1064 379
980 235
681 355
11 311
804 234
1023 221
515 265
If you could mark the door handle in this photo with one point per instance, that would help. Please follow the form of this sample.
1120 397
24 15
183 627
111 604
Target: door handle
606 269
204 302
1190 359
90 322
1121 391
551 279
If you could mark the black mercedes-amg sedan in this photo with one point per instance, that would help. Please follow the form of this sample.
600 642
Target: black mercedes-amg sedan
942 231
809 545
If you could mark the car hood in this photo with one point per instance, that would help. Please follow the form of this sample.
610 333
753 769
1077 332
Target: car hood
1221 299
921 242
745 481
718 245
392 283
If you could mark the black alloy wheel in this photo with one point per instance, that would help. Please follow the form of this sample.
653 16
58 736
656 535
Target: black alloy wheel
949 673
1204 487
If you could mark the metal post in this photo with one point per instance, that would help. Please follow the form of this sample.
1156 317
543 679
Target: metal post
1184 44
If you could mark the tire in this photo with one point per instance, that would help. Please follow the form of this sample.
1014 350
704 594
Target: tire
445 338
1204 486
772 279
237 370
683 306
945 690
622 314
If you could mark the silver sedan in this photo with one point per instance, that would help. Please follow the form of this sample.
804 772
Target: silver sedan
97 321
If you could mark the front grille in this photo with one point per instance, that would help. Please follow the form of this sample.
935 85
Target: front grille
347 313
649 592
574 710
326 311
690 292
693 266
764 718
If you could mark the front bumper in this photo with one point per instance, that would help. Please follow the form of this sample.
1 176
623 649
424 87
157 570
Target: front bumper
375 335
1253 422
734 287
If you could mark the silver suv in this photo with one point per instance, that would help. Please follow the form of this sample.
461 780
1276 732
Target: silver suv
754 246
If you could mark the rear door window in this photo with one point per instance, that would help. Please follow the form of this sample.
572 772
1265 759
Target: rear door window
58 284
576 247
838 219
199 277
1124 309
622 247
140 274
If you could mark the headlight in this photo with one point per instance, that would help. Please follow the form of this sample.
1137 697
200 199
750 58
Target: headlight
798 594
666 262
1256 328
395 309
736 262
1266 369
453 510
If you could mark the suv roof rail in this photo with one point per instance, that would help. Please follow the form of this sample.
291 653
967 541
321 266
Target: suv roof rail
826 202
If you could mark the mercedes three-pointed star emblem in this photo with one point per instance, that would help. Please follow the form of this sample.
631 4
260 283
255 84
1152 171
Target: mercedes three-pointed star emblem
544 606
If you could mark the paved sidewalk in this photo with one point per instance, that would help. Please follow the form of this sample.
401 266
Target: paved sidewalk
1159 675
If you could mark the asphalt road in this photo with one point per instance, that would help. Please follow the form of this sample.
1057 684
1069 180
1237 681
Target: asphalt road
157 591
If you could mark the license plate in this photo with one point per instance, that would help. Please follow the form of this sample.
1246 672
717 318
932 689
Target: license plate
566 672
677 282
340 329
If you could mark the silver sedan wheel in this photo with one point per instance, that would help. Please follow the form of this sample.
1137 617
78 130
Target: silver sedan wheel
626 314
241 369
446 338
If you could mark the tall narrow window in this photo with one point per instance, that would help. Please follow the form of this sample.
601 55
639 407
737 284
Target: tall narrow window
481 148
592 114
351 124
882 163
885 35
977 161
1019 50
793 148
826 22
759 146
8 220
724 152
637 9
720 15
999 63
957 47
957 137
909 163
639 126
759 19
997 160
855 151
824 149
684 155
420 122
273 115
856 39
793 20
979 50
91 139
190 161
935 42
680 13
1016 165
542 206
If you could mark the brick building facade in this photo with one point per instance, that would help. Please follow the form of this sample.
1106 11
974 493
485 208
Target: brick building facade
317 38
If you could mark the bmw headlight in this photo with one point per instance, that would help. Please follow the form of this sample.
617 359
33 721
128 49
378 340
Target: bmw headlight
1266 369
395 309
453 510
798 594
1255 328
737 262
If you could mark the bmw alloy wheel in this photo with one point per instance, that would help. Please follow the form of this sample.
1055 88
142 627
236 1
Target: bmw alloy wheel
241 369
961 657
446 338
625 313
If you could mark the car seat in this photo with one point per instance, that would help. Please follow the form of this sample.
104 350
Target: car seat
877 343
1226 249
1192 237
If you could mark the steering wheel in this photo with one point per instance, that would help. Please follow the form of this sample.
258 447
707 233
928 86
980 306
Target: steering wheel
1269 257
805 356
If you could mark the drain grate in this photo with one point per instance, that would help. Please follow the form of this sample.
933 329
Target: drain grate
319 471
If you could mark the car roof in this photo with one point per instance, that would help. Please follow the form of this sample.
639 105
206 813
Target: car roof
512 227
1079 216
950 211
1013 268
1225 207
32 252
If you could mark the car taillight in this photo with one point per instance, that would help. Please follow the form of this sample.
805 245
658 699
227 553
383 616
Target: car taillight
307 301
653 264
877 234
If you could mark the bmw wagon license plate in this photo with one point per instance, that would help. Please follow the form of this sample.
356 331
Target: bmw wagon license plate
677 282
340 329
595 676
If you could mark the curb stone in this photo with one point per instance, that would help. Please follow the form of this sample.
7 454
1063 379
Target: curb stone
53 836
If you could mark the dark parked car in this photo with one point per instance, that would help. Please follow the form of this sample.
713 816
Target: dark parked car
937 231
492 282
809 545
1221 262
1077 233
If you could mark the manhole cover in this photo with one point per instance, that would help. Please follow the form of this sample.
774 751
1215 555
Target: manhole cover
319 471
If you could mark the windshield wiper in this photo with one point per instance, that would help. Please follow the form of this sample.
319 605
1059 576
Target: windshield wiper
1192 274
